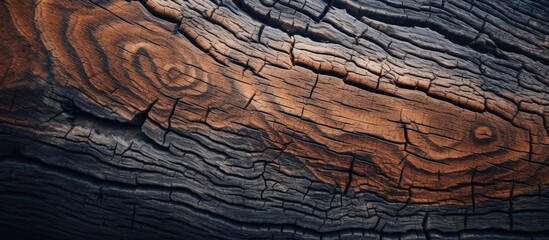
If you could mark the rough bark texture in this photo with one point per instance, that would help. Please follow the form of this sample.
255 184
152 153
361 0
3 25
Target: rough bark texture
258 119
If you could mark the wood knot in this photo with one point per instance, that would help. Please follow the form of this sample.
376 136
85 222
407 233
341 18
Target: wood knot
484 133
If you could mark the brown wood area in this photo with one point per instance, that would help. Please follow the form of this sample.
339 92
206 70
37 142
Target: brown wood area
274 119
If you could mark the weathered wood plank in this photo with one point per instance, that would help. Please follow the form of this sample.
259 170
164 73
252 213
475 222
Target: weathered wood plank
274 119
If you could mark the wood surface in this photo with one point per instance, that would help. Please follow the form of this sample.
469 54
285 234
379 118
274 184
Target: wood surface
262 119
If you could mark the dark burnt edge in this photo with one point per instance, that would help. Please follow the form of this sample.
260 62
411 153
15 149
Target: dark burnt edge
292 229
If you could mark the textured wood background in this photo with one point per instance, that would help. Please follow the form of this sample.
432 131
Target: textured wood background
306 119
